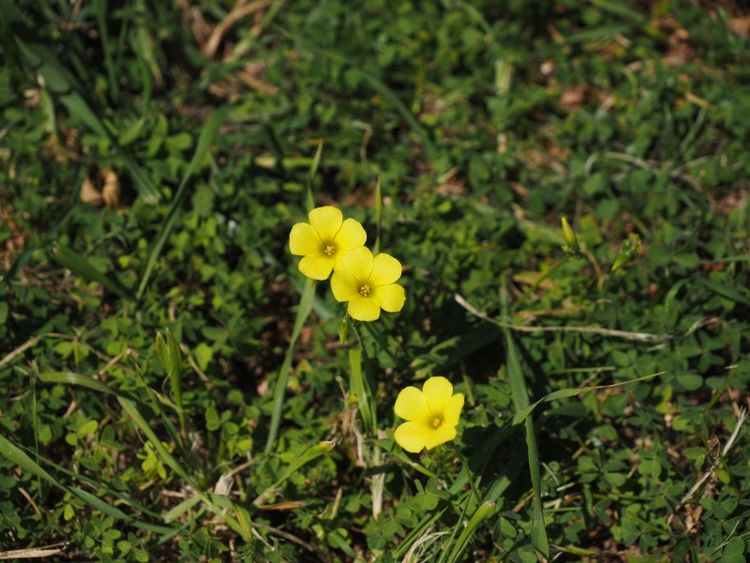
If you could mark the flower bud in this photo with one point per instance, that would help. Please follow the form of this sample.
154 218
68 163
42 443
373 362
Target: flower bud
571 241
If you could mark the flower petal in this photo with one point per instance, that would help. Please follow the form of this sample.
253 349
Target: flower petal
364 309
351 235
385 270
437 391
344 286
452 411
412 436
357 262
391 297
316 266
444 434
303 240
411 405
326 221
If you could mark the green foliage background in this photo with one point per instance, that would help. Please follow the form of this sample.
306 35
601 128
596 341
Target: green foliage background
485 122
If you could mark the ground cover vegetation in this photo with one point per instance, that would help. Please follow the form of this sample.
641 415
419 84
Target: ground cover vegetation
180 378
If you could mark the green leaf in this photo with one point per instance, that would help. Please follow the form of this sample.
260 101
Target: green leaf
690 381
203 354
734 551
131 133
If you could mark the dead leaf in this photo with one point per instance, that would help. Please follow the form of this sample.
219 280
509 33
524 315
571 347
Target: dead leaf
283 505
532 278
111 189
740 26
453 186
89 193
574 97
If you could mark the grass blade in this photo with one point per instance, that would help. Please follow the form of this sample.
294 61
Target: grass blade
99 504
68 377
181 508
484 511
421 529
205 141
132 411
169 355
521 415
15 455
311 453
81 267
135 415
521 403
726 291
303 311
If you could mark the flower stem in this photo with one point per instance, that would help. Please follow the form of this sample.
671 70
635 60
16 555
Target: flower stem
358 385
371 452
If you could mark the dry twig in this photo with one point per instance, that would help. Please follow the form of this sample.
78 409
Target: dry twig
33 552
613 333
241 10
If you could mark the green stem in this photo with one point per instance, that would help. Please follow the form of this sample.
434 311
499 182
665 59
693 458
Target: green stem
378 216
358 385
303 311
373 455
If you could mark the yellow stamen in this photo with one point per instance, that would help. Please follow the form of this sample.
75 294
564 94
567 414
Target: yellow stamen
329 250
365 290
437 422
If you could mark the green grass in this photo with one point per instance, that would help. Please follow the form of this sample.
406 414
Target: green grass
174 390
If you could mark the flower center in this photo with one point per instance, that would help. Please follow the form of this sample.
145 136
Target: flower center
365 290
329 249
437 422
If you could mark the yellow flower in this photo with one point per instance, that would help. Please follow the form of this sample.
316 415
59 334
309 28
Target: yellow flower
368 284
432 415
324 240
